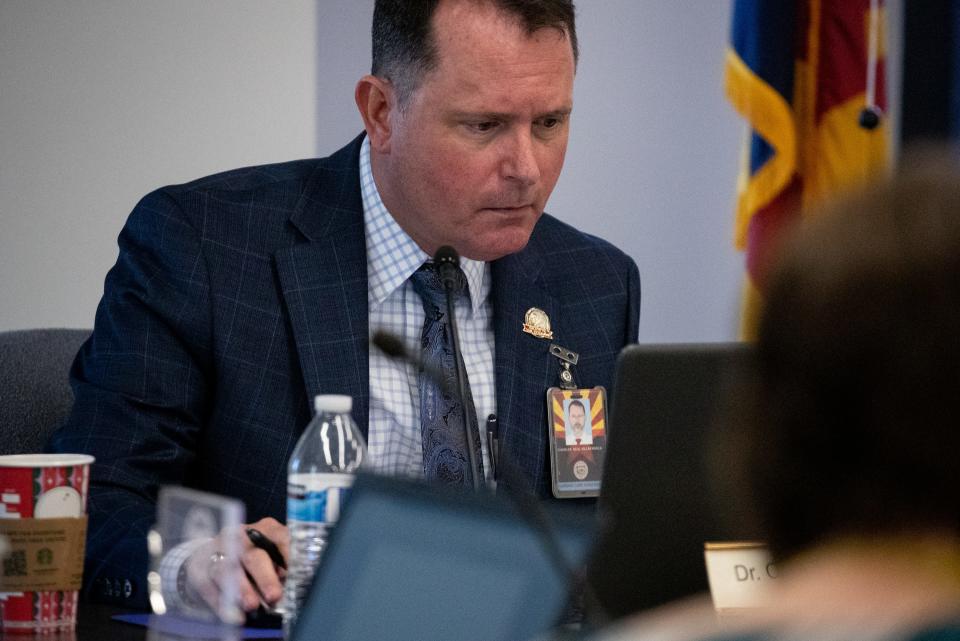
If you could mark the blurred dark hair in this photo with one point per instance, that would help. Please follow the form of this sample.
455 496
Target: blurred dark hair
404 49
578 404
853 421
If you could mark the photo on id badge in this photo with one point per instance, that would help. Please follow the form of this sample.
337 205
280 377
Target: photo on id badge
577 420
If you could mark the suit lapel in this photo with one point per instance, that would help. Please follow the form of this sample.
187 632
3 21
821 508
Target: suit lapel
324 283
523 365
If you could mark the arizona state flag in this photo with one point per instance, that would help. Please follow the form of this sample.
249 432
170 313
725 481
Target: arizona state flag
808 76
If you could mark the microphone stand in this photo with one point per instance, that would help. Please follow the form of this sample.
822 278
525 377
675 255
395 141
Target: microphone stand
514 485
448 262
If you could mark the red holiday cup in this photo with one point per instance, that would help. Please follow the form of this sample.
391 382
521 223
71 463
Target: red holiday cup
43 507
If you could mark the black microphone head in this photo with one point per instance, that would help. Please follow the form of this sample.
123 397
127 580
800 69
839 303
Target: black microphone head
389 344
447 261
447 255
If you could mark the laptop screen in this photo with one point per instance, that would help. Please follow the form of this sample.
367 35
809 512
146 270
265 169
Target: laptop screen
409 561
658 500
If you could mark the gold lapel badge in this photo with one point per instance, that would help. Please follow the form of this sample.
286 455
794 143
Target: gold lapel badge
537 323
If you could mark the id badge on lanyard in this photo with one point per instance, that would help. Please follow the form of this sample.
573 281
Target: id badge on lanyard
577 431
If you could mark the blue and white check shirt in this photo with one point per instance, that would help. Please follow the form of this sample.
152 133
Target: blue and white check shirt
394 438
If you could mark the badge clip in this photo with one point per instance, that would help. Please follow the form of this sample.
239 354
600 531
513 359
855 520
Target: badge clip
567 358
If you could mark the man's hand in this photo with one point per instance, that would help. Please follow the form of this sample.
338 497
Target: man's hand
263 579
260 582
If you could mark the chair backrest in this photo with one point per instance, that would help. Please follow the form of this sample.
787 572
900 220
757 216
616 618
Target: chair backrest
35 395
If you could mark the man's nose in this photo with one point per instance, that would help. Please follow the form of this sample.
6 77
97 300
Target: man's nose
520 160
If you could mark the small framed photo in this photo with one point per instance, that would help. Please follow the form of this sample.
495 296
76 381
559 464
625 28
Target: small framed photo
577 431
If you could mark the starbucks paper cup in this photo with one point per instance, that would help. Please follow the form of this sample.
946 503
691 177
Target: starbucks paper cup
43 514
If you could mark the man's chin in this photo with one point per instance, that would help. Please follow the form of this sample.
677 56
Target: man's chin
497 243
496 248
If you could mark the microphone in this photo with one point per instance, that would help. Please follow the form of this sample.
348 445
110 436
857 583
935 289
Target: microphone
515 485
447 262
393 347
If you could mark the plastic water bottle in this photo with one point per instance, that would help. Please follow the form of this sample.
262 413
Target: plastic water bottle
319 475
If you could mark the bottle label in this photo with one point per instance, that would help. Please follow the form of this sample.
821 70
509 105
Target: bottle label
317 498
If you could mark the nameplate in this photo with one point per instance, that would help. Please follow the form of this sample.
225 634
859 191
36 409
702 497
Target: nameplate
739 573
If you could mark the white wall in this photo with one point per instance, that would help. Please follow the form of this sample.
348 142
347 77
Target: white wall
102 101
654 155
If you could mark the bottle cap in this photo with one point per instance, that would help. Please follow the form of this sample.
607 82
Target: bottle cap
333 403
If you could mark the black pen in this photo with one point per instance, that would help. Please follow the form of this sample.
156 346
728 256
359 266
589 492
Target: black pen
266 616
260 541
493 444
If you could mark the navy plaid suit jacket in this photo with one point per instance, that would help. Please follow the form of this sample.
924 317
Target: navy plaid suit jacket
238 297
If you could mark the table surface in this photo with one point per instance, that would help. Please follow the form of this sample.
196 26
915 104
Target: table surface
94 624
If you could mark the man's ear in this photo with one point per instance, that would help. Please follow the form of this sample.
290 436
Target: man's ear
376 100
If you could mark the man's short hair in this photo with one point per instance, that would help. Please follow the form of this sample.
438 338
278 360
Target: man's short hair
404 49
578 404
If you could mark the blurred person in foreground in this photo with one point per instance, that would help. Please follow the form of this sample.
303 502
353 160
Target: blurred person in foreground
846 440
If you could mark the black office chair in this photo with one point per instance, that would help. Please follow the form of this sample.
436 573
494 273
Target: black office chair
35 396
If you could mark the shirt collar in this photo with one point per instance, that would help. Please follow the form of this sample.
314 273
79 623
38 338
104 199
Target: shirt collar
392 256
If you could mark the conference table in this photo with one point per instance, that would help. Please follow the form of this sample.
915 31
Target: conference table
95 623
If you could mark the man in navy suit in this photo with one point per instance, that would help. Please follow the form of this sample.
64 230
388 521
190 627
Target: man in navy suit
238 297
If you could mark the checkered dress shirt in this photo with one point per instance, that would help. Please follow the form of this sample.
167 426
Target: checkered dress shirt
394 437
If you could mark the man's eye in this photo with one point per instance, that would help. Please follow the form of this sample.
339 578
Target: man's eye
550 123
483 127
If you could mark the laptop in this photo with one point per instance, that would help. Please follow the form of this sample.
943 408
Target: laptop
658 503
418 562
